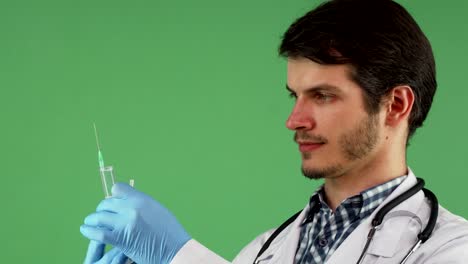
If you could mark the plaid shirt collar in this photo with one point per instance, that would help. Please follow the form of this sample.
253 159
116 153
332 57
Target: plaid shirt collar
360 205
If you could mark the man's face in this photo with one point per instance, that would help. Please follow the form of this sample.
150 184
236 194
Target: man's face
334 133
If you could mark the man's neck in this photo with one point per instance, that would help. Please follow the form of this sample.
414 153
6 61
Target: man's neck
338 189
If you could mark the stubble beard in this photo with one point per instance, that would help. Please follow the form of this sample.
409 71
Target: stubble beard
354 145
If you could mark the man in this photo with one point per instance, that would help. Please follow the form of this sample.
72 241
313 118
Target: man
362 74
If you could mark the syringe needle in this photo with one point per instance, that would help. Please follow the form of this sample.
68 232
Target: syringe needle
97 140
100 158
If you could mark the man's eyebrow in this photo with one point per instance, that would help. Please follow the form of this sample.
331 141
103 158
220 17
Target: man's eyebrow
320 87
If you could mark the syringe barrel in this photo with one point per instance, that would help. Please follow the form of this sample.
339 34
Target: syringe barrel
108 180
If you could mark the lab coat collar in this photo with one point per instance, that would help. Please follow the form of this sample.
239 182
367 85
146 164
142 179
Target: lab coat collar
387 238
385 241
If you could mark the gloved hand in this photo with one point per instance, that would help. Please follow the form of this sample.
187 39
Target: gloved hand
95 255
142 228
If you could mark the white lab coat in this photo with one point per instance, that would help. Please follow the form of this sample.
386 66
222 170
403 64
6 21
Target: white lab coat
447 245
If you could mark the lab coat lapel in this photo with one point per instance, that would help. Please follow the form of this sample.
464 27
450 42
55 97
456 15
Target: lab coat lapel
286 252
387 239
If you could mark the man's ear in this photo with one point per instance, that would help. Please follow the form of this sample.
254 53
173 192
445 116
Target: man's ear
398 103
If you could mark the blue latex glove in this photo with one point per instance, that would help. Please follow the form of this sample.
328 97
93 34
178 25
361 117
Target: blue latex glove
142 228
95 254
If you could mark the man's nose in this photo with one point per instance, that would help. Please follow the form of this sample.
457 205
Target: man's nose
300 118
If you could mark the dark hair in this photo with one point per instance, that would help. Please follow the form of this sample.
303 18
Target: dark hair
381 42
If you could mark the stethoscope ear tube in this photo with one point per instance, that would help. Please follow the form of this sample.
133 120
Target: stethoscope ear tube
379 216
426 233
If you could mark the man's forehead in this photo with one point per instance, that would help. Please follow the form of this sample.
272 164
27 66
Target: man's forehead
306 66
304 74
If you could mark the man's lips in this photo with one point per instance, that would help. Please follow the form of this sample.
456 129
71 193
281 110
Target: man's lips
309 146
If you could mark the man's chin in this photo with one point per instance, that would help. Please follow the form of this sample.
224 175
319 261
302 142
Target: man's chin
313 174
320 173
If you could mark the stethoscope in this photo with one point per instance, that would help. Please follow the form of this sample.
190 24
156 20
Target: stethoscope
378 219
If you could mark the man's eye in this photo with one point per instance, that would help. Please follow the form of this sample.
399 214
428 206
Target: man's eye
323 97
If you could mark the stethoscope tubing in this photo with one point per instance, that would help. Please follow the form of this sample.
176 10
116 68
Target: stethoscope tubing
423 236
378 219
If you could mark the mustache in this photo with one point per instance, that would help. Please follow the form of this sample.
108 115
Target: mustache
305 137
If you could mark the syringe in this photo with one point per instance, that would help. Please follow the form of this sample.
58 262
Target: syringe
107 173
107 177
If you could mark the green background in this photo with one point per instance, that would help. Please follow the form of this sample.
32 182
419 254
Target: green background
189 100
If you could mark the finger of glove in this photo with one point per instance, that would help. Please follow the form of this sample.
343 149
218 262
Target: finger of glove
112 204
95 252
109 256
103 219
120 258
99 234
123 190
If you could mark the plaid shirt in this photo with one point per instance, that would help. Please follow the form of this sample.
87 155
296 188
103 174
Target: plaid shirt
323 230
